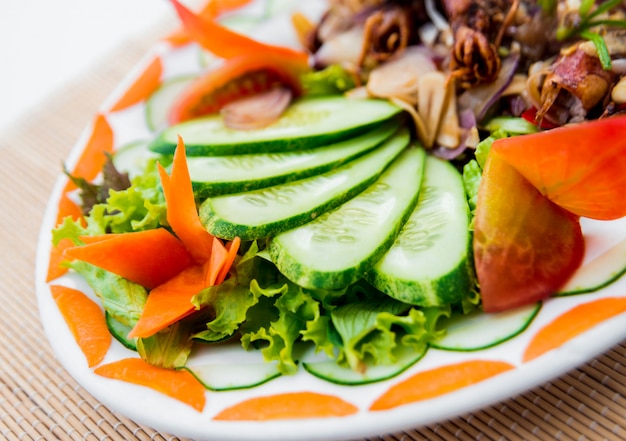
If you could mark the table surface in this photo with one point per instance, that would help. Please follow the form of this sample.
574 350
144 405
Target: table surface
39 400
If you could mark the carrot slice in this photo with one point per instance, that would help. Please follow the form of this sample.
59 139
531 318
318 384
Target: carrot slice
219 253
439 381
55 270
148 258
572 323
212 10
85 320
233 247
182 213
288 406
143 87
170 302
93 157
180 385
225 43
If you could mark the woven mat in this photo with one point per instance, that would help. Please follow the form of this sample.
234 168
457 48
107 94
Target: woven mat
39 400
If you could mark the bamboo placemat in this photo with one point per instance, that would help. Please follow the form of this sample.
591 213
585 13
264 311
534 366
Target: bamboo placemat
40 401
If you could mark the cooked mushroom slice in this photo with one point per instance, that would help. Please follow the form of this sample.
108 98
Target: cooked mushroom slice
399 76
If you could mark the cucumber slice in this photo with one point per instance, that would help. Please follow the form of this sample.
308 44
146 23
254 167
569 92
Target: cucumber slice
269 211
337 248
225 366
331 371
478 330
120 332
307 123
430 263
231 376
132 158
160 102
598 273
217 175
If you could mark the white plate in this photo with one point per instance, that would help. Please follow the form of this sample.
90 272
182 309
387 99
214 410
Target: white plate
162 413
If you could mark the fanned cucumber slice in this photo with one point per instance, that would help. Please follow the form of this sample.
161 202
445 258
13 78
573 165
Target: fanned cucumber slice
269 211
160 102
120 332
331 371
307 123
218 175
478 330
430 263
337 248
231 376
598 273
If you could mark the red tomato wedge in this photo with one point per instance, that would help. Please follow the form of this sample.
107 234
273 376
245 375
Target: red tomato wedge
238 77
581 168
525 246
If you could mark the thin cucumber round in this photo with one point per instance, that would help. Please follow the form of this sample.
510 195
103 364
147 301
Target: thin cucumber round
269 211
337 248
233 376
160 102
132 158
307 123
478 330
218 175
332 372
598 273
430 263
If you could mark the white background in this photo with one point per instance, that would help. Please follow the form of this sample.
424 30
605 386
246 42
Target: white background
45 44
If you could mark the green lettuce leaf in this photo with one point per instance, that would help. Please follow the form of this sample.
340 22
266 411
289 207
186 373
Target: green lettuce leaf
169 348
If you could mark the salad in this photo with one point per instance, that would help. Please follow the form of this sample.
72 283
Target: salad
408 164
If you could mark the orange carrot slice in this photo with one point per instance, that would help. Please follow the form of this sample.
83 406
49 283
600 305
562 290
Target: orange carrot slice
180 385
85 320
144 86
93 157
170 302
233 247
219 254
55 269
439 381
288 406
212 10
148 258
225 43
572 323
182 213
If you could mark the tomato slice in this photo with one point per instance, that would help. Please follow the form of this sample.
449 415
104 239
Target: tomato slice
525 246
236 78
580 167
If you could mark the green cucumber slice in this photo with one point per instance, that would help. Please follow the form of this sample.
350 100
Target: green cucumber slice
269 211
598 273
307 123
120 332
132 158
232 376
160 102
218 175
430 263
225 366
478 330
332 372
337 248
